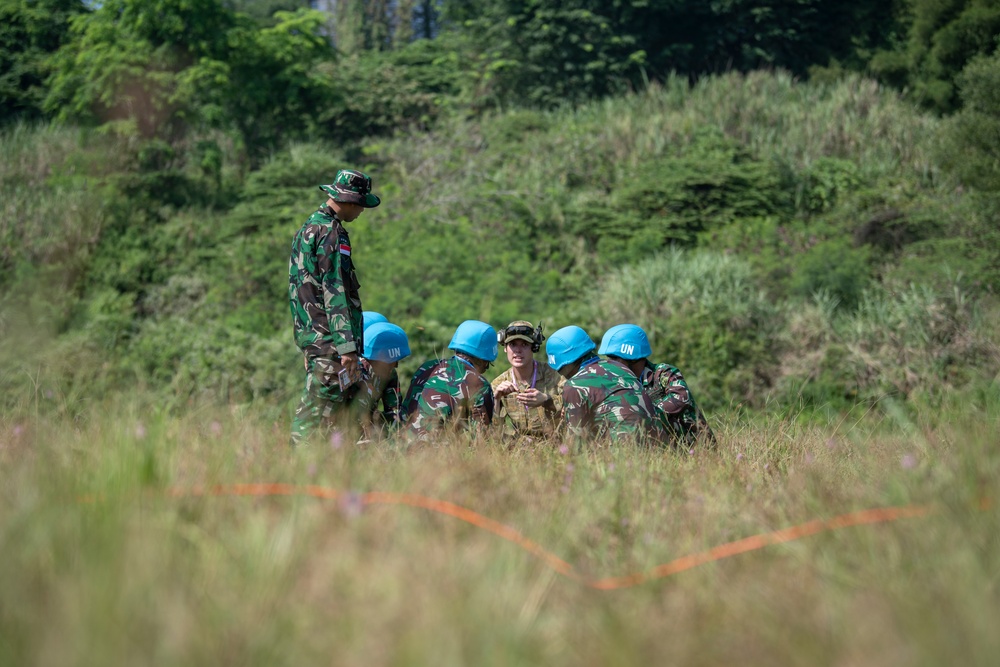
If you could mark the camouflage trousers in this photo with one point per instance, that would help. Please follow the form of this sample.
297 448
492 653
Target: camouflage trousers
323 405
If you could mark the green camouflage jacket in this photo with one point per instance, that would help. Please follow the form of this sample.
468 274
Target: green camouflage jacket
447 390
519 420
604 398
323 288
680 415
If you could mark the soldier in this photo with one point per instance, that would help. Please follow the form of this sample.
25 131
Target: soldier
325 302
453 391
528 394
679 413
601 397
385 345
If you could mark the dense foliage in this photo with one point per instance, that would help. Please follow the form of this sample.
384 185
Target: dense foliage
765 229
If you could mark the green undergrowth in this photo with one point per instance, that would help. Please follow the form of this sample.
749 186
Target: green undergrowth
784 243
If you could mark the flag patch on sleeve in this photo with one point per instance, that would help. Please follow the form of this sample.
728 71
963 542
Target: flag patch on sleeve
345 249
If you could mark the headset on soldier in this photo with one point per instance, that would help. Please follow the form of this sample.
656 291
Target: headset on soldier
535 334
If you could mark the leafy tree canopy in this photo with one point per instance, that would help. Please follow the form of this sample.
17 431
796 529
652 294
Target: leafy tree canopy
943 36
160 68
29 31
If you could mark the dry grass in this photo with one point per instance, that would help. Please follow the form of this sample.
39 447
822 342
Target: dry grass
141 577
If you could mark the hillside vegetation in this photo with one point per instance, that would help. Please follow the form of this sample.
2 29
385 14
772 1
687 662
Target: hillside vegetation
786 244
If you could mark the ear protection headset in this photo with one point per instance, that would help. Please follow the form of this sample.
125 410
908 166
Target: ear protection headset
535 334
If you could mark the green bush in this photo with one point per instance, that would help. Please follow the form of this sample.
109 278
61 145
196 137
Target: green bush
711 183
915 341
703 313
835 267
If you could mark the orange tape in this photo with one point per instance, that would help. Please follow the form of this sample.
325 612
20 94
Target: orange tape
755 542
476 519
728 550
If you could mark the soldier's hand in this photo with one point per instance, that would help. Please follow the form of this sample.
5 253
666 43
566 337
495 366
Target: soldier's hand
350 362
506 387
532 398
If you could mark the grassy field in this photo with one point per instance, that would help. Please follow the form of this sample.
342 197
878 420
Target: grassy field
107 559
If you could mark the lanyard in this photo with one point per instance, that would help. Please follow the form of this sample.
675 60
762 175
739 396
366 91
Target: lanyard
534 377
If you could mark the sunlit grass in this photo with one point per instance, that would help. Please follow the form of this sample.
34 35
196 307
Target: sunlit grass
137 575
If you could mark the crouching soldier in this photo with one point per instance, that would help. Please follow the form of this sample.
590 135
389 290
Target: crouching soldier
679 415
601 398
453 392
528 394
377 400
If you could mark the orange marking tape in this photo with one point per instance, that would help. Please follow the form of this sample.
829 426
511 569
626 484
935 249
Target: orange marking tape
728 550
760 541
476 519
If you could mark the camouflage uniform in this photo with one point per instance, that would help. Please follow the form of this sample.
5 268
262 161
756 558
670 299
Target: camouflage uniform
519 420
447 390
373 391
680 416
326 314
604 398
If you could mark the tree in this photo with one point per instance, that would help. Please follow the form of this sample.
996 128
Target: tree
263 11
161 68
971 139
546 52
29 32
942 37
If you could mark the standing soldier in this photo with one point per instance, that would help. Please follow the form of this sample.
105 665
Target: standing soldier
453 391
601 398
325 303
528 394
385 345
679 414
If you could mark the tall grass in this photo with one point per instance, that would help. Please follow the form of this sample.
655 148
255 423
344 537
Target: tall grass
139 576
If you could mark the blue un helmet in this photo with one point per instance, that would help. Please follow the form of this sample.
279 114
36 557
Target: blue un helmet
567 345
370 317
626 341
476 339
385 342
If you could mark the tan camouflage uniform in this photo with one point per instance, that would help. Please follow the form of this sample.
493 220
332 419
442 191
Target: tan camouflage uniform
535 422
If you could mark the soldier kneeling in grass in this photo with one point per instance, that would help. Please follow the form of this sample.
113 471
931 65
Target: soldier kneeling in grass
453 392
385 346
529 393
678 413
602 398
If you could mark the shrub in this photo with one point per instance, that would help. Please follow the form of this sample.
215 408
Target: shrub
918 340
703 313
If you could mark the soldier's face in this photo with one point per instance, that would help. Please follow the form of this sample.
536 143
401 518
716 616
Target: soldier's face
519 353
349 212
382 369
569 370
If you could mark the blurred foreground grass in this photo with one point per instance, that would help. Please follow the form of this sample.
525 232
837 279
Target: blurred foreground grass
139 577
